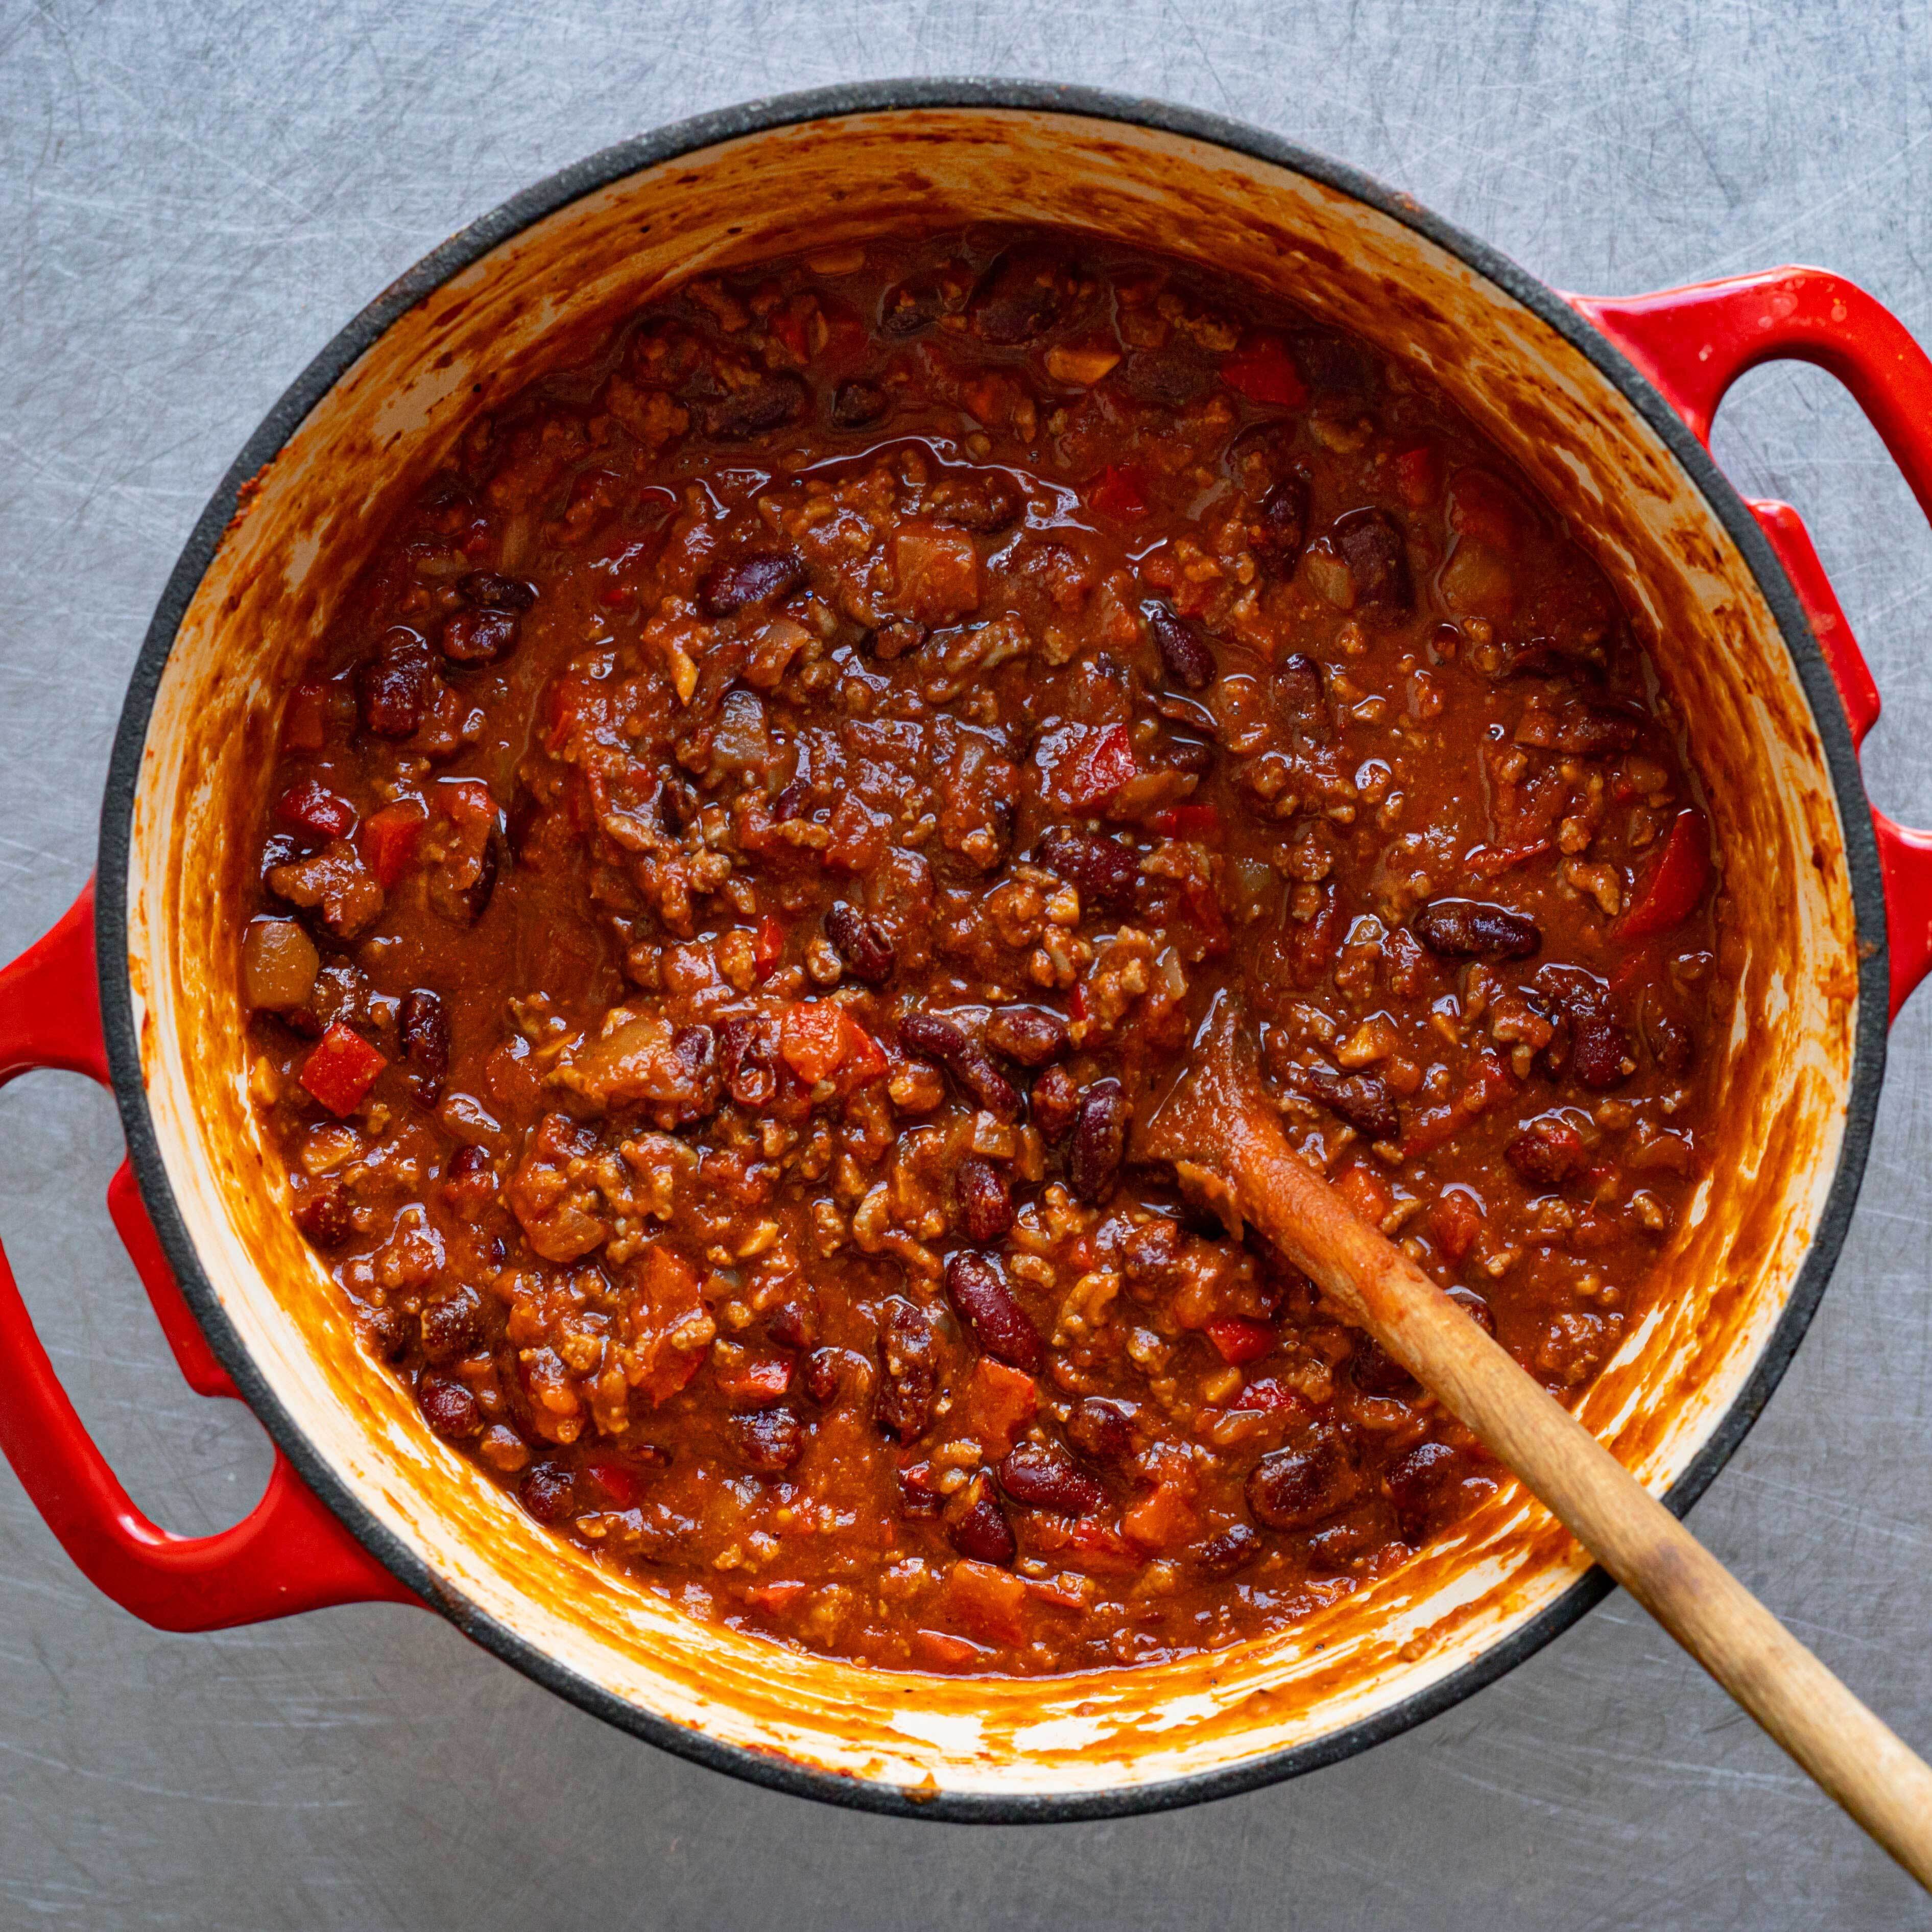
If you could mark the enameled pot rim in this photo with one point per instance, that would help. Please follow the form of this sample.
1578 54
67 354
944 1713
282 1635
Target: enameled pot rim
597 171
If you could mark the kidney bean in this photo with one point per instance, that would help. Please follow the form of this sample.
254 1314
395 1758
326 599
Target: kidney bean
311 807
865 945
1151 1255
452 1326
985 1198
1547 1152
985 502
1042 1475
940 1039
449 1408
1473 1305
909 1377
472 902
1101 1428
469 1181
1018 298
391 1331
1102 870
1599 1048
824 1370
911 305
770 403
989 1308
1472 928
1281 525
763 577
487 591
793 1323
549 1492
1100 1140
771 1440
392 687
1375 1372
424 1023
1362 1099
322 1213
1672 1046
479 636
1054 1103
747 1046
977 1527
1031 1035
1378 559
1292 1488
1419 1483
856 404
1189 662
1237 1547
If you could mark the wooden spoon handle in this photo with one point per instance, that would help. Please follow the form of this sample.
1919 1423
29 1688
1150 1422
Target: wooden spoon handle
1860 1761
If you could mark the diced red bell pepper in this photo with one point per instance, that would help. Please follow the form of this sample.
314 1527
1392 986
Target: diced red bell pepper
758 1384
388 839
1201 823
1265 372
1236 1340
991 1602
1482 507
1415 475
861 1057
767 946
305 722
1121 491
1104 764
310 806
1102 1546
1265 1395
1455 1221
771 1597
340 1069
789 327
620 1485
812 1038
941 1650
1671 894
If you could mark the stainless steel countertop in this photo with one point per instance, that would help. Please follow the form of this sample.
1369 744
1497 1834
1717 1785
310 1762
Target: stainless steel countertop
194 199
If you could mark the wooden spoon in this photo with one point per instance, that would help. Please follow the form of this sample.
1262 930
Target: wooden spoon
1219 1131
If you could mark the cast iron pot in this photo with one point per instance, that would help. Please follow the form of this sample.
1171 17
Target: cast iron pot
1606 404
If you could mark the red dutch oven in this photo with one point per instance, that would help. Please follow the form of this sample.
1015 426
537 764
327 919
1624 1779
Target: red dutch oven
1606 403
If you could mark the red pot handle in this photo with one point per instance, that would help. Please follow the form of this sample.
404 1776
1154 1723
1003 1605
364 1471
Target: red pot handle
289 1553
1693 343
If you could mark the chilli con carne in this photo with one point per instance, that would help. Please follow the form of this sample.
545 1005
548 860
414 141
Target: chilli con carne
783 794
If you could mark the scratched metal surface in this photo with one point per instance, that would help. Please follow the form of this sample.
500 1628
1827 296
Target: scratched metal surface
190 206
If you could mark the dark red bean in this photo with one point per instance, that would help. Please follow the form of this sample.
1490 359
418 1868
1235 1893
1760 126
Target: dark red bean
771 1440
1031 1035
449 1408
1018 298
1169 378
424 1023
1189 662
769 404
467 1163
1378 559
474 899
1281 525
549 1492
1042 1475
1673 1046
911 305
1099 1141
1362 1099
1420 1483
977 1527
479 636
824 1370
1101 1428
1235 1548
1473 1305
985 1198
1151 1255
311 807
748 1047
453 1326
391 1331
1375 1372
985 502
909 1372
989 1308
764 577
1599 1048
392 687
1054 1102
487 591
322 1213
939 1039
856 404
919 1491
862 943
1292 1488
793 1323
1547 1152
1103 870
1473 929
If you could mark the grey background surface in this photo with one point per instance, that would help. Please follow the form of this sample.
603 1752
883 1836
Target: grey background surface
193 199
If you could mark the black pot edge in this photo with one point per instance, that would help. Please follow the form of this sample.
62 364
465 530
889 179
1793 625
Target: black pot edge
523 210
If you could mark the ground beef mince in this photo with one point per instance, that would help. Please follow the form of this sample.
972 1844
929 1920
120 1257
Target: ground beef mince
778 804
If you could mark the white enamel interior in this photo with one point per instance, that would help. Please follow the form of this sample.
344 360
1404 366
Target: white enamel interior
380 431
